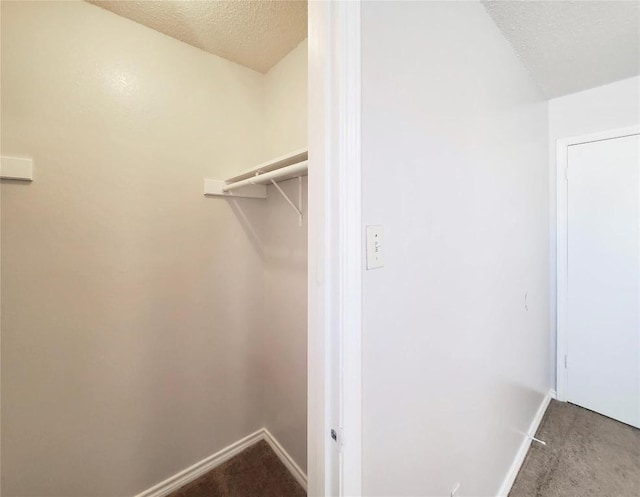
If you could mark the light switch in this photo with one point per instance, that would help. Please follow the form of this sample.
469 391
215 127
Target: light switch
375 256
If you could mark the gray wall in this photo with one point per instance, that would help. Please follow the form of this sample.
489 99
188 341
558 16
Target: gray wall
455 365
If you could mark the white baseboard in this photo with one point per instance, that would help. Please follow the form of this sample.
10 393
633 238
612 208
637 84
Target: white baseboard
286 459
505 488
191 473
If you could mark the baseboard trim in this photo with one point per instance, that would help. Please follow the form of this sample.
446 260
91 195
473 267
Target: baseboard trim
505 488
193 472
286 459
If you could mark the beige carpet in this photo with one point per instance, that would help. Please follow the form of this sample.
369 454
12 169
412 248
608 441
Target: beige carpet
587 455
255 472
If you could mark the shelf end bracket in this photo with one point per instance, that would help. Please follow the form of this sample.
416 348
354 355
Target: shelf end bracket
289 201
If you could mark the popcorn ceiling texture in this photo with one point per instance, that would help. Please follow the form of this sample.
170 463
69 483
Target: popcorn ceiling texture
256 34
569 46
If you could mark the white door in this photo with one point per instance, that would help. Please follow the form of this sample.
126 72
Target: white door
603 347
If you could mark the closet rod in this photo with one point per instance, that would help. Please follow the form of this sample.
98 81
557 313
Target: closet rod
262 179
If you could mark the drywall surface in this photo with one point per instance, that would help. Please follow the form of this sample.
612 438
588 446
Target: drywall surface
131 303
608 107
286 104
284 328
456 323
284 338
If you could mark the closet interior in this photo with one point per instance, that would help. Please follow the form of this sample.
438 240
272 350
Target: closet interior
269 200
164 326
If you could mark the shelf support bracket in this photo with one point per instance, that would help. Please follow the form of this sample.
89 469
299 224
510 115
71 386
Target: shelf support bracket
289 201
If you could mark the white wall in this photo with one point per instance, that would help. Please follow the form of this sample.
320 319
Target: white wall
455 169
132 325
286 103
284 339
607 107
284 328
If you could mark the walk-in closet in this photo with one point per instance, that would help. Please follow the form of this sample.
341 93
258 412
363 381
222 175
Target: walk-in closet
154 248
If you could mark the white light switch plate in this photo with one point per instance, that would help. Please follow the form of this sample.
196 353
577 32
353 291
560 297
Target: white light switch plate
375 254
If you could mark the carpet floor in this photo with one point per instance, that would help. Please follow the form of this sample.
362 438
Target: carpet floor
587 455
255 472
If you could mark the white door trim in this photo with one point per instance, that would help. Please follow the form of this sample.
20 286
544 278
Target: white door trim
350 246
562 149
335 250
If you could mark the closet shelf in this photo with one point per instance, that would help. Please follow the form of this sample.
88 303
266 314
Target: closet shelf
253 183
274 164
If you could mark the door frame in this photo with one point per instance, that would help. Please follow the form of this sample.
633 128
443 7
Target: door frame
335 250
562 164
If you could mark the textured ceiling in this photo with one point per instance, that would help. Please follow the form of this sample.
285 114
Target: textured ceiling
569 46
254 33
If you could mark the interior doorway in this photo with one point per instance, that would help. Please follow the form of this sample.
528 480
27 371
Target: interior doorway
599 273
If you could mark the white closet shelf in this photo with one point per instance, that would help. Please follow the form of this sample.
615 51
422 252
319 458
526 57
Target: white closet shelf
253 183
274 164
17 168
